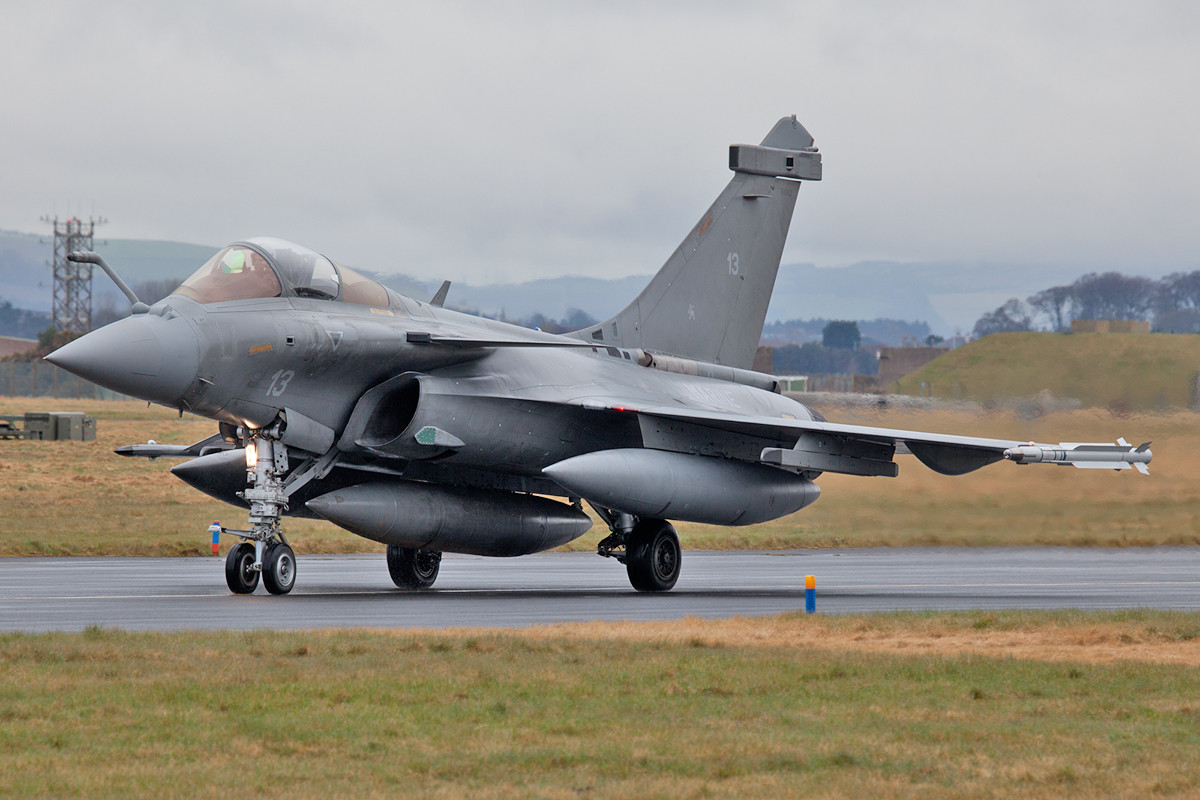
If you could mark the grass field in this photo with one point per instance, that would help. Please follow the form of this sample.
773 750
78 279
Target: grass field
78 498
981 704
905 706
1118 371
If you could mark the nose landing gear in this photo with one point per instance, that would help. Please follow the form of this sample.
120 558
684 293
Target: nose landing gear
263 550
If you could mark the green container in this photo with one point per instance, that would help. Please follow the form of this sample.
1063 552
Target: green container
39 425
68 425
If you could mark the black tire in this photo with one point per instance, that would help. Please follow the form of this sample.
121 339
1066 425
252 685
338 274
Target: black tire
413 569
653 556
238 575
279 569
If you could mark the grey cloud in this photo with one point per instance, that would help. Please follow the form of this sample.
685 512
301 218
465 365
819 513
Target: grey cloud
491 142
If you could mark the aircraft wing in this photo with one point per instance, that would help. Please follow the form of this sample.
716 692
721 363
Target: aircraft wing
866 450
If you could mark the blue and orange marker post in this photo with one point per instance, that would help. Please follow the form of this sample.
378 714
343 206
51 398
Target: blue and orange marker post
215 530
810 593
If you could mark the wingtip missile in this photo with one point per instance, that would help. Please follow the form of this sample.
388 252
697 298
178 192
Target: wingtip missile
1084 455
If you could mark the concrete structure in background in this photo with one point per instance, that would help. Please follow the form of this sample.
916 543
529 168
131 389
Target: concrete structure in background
13 346
1110 326
764 360
792 384
842 383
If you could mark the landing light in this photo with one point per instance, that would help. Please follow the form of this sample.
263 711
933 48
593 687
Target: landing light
251 454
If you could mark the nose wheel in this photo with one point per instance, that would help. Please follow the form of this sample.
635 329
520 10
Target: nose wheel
240 575
278 569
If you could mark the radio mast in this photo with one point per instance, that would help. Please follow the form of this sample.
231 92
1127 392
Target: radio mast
72 309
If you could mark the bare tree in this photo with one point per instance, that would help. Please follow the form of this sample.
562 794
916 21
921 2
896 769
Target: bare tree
1056 304
1012 316
1111 295
1178 292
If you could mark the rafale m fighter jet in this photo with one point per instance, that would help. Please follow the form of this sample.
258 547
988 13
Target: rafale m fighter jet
434 431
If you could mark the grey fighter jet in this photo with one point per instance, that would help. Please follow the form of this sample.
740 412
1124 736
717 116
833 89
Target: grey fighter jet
434 431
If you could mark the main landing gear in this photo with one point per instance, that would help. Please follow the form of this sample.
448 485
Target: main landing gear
413 569
263 550
649 549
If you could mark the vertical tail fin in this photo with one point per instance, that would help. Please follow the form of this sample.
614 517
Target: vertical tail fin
709 301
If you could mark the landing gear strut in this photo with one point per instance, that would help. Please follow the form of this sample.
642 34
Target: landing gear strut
649 549
263 550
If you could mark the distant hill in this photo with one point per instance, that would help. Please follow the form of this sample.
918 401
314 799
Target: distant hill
26 280
21 322
948 297
142 260
553 297
1119 371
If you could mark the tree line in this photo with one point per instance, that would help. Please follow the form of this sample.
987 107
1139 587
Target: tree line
1171 304
838 352
20 322
893 332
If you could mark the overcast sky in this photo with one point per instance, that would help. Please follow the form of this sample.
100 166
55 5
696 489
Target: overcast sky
501 141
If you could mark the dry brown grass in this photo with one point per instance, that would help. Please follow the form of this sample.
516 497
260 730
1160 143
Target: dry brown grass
1153 638
79 498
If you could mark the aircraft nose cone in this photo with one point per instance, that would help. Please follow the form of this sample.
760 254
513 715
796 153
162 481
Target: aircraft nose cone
148 357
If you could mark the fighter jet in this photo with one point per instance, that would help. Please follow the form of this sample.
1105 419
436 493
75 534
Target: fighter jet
432 431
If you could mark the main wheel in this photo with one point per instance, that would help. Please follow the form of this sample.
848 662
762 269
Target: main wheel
652 556
239 576
279 569
413 569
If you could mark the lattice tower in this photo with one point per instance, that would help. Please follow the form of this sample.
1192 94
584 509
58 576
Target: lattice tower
72 307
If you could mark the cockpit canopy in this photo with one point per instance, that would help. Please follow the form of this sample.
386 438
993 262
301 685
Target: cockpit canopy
268 267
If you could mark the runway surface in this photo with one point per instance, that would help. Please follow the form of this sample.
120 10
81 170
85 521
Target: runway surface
68 594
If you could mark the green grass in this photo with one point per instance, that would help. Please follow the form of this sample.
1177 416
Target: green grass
1119 371
317 714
